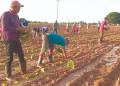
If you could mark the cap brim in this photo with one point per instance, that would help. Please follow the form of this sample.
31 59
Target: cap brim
21 5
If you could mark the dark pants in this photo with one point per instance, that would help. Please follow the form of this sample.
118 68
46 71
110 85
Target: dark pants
55 30
14 47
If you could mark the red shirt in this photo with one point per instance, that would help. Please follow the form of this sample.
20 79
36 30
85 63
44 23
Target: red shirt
103 25
75 28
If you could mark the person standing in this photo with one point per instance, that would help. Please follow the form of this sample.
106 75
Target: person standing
87 27
10 24
75 29
102 28
55 27
79 27
68 27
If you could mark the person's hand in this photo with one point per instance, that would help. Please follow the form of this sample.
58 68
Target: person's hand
22 30
64 52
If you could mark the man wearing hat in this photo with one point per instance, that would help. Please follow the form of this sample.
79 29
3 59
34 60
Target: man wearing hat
10 25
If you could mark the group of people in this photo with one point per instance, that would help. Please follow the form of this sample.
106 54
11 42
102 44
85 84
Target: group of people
11 29
36 30
74 28
102 26
49 41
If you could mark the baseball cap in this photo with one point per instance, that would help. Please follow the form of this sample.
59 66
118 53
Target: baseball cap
16 3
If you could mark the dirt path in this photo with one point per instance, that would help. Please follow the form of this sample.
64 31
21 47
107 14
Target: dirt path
110 58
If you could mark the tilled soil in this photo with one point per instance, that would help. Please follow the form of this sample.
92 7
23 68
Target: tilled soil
88 55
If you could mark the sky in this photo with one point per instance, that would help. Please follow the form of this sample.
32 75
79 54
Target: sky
68 10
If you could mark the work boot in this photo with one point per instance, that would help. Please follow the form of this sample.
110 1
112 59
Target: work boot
8 72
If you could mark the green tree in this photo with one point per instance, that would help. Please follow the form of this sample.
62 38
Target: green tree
114 17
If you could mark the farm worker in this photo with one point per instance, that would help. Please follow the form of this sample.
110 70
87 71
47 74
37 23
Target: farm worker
55 27
68 27
35 33
49 40
103 26
75 28
87 27
10 25
79 27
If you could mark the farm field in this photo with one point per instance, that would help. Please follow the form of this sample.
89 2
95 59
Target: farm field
93 64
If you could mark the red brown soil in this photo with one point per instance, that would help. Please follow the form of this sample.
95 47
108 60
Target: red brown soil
83 49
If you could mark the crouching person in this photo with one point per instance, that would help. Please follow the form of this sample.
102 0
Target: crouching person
49 40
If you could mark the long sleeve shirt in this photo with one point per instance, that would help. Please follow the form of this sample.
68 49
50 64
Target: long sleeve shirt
10 23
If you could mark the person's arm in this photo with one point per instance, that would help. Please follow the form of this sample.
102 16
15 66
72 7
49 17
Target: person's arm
64 52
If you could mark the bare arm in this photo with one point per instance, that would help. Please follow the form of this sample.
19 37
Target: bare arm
64 52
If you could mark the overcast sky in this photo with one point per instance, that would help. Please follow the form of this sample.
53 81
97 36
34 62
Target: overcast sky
69 10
